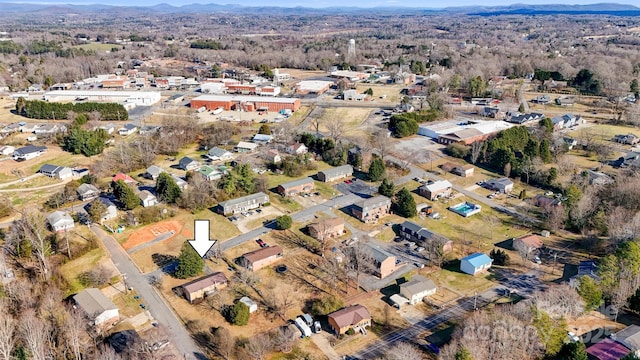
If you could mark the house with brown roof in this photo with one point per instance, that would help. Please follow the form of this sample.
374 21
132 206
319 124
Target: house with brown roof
257 259
528 243
355 317
463 170
327 228
296 187
195 291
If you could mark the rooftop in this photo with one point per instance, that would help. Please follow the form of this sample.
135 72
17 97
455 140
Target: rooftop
477 259
93 301
350 315
298 182
204 282
252 197
263 253
245 98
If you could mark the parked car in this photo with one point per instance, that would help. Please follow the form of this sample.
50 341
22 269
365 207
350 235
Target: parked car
261 243
537 260
420 249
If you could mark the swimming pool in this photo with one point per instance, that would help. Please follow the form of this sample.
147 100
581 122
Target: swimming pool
466 209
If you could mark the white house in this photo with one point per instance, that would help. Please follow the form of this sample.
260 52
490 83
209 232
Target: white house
417 289
218 154
504 185
147 198
60 221
188 164
296 149
28 152
110 213
55 171
97 306
262 139
7 150
244 146
127 129
475 263
153 172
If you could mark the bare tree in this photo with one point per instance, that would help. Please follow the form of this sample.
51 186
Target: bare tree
491 220
559 301
7 332
36 334
224 342
554 216
258 346
246 278
380 142
435 249
335 127
284 338
31 227
476 150
403 351
75 336
359 260
106 352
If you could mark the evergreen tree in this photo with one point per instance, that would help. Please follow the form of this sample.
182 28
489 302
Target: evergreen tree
376 169
125 195
521 108
239 314
405 204
189 262
547 125
463 354
590 292
573 351
284 222
96 210
20 105
386 188
500 257
545 152
167 188
264 129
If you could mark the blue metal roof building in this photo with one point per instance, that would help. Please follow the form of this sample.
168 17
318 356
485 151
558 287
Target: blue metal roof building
475 263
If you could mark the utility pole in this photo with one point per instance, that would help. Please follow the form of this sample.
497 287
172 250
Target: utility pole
555 255
124 281
475 301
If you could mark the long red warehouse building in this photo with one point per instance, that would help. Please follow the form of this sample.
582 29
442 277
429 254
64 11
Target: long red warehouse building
248 103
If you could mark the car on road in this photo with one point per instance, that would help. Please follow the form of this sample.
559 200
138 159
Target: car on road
261 243
548 193
537 260
410 244
347 181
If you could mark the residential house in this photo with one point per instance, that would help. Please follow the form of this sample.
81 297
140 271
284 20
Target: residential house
153 172
210 173
598 178
327 228
335 173
517 118
301 186
492 112
565 101
127 129
28 152
262 139
7 150
504 185
384 261
273 156
109 128
629 337
542 99
28 127
564 122
370 210
250 304
87 192
188 164
150 129
629 139
241 204
411 231
50 129
435 190
102 311
195 291
545 201
124 177
55 171
355 317
296 149
110 213
417 289
60 221
585 268
182 183
571 142
475 263
527 244
607 349
147 198
463 170
630 159
263 257
218 154
244 147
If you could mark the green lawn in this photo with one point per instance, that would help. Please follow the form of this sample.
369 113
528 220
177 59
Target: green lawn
459 282
97 47
274 179
286 205
72 269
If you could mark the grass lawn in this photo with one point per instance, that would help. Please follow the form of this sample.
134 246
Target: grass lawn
127 304
351 118
604 132
392 92
299 115
35 182
459 282
72 269
286 205
274 179
97 47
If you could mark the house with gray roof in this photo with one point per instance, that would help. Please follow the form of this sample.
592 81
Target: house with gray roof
182 183
147 198
218 154
55 171
60 221
153 172
127 129
335 173
188 164
28 152
384 261
102 311
241 204
417 289
371 209
300 186
87 192
110 213
504 185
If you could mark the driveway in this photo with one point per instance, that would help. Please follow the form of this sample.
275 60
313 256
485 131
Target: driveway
163 314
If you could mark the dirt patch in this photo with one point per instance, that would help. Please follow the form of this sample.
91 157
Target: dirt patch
148 233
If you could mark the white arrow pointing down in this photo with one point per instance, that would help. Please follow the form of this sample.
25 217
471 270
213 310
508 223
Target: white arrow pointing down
201 242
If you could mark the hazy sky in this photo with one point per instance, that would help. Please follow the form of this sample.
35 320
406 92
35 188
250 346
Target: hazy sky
325 3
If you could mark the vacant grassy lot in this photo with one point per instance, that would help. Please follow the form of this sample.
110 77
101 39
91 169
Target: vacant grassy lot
391 92
72 269
461 283
97 47
350 117
603 132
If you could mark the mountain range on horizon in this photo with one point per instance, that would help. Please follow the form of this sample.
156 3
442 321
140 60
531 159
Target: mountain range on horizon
164 8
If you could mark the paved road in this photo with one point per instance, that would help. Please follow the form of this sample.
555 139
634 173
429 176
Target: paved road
521 284
163 314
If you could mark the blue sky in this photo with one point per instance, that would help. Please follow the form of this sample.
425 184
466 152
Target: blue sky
325 3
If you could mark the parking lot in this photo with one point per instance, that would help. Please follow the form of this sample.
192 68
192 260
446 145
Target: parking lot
251 219
356 186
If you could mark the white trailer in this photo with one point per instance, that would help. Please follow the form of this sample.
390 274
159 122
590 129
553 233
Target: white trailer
217 111
304 329
202 109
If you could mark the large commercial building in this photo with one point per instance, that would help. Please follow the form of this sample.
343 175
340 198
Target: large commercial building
247 103
465 131
138 98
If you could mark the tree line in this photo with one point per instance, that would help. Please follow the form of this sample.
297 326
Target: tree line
43 110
